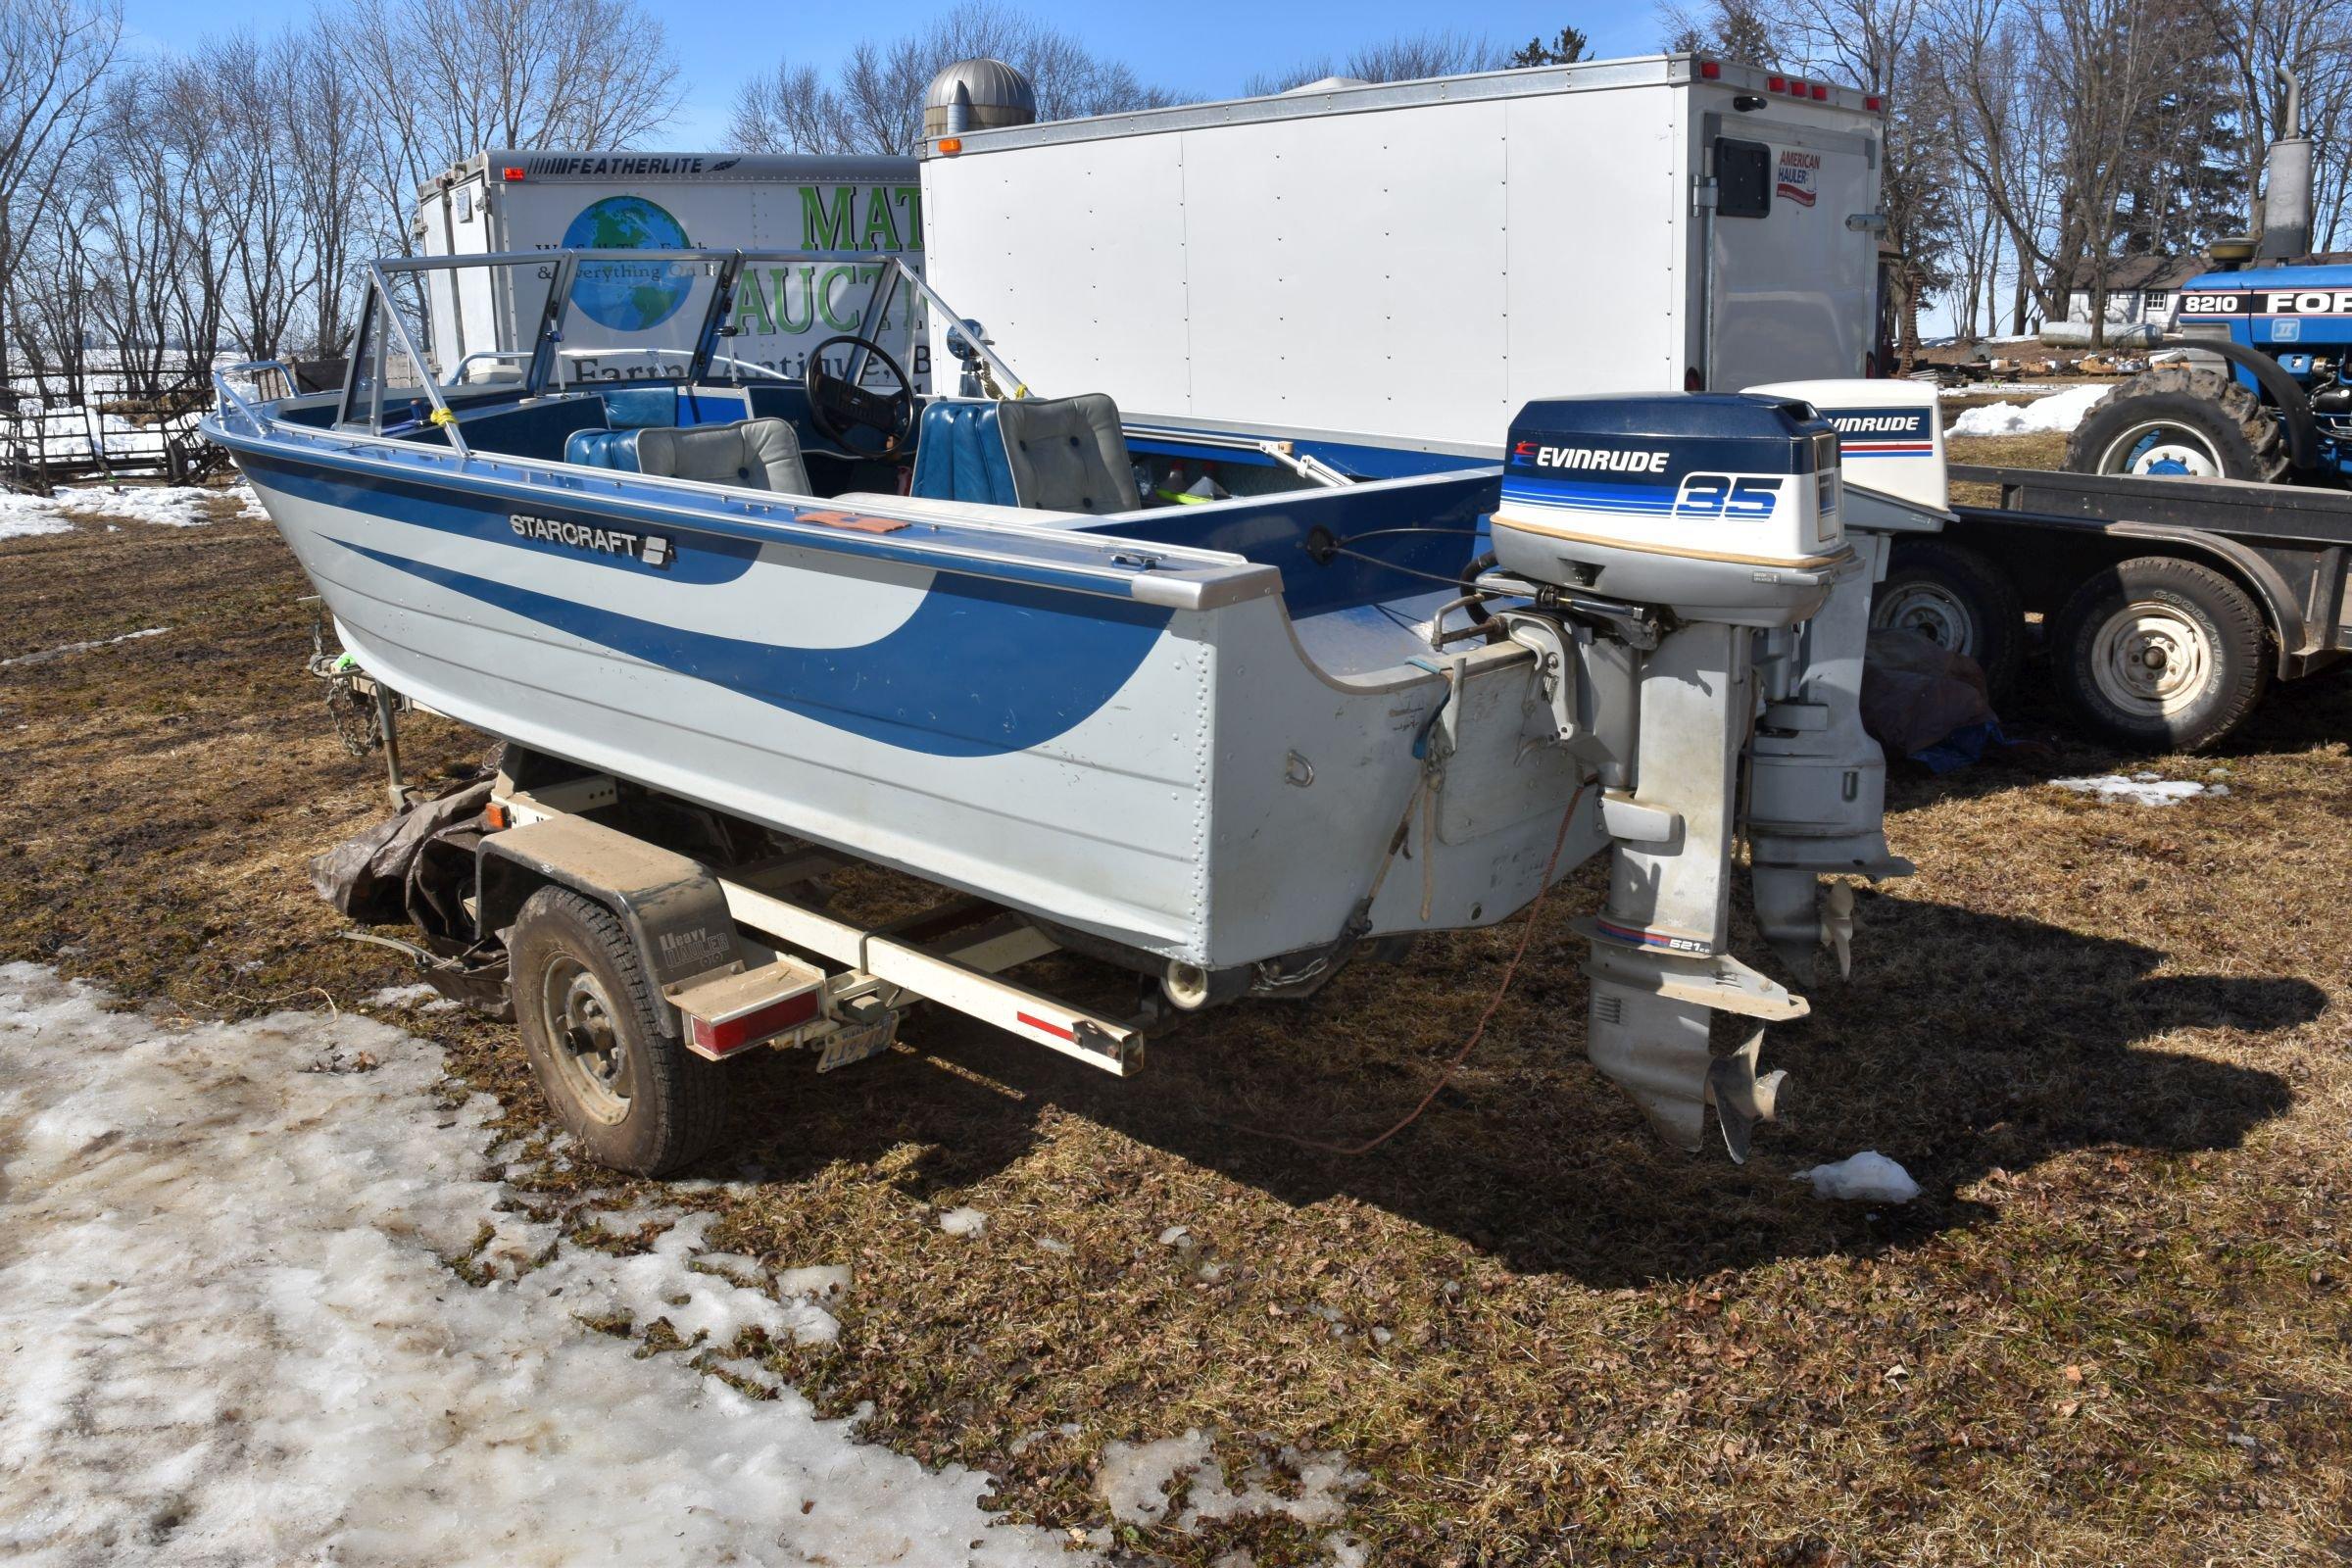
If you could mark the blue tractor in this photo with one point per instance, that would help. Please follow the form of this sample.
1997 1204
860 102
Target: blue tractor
2265 392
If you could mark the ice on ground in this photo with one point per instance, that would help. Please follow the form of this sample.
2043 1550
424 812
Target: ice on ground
964 1222
170 506
2056 414
421 996
1869 1177
2139 789
1133 1480
237 1327
21 515
63 650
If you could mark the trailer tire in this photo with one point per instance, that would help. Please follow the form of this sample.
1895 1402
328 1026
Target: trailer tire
1958 599
2172 419
2158 653
628 1089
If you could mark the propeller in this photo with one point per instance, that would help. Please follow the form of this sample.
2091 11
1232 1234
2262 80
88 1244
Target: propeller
1741 1099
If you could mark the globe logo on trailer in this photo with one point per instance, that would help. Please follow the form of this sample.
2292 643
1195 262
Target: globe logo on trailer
628 297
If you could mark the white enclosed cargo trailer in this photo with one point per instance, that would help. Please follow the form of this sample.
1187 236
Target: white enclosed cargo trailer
1418 260
626 323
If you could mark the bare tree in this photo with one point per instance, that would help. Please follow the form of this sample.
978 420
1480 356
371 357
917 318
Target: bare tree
1408 57
2312 39
325 163
445 78
875 105
54 55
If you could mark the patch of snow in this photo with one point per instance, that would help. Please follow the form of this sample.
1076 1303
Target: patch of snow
963 1222
2141 789
1869 1177
21 515
170 505
46 655
233 1333
2056 414
400 996
1135 1477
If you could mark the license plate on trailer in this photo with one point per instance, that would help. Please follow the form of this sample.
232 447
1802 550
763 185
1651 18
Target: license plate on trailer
858 1042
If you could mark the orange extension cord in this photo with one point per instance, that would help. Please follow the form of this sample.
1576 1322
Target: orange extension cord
1527 932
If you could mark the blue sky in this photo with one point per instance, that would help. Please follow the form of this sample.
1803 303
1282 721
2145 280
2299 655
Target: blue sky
1219 43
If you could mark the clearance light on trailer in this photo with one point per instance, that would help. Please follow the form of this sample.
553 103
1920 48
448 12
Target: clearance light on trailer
721 1037
1777 83
1710 70
1874 103
1821 94
1692 381
511 174
950 145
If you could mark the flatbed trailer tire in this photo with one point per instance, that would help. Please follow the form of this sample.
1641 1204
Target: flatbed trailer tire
2161 654
631 1093
1957 598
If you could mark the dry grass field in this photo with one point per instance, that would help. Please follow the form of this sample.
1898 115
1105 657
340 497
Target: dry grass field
2109 1041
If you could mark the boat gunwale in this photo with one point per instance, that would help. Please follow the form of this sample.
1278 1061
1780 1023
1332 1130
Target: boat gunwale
1207 580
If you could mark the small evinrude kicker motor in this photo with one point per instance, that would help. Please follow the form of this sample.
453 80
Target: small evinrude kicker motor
1696 604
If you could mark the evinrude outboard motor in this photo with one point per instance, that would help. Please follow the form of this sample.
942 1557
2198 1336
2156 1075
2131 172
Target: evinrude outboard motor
1683 554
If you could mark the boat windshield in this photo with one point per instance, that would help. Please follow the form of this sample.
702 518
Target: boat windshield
457 330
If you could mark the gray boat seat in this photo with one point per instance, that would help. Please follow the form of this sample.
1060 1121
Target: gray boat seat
753 454
1046 454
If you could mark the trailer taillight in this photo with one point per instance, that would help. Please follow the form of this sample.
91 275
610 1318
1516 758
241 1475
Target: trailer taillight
1692 381
760 1023
511 174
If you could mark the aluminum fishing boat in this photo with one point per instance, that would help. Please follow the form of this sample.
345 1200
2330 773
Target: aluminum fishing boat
1228 705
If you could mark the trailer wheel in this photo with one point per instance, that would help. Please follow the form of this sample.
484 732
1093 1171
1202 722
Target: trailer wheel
630 1091
2176 422
1958 598
2159 653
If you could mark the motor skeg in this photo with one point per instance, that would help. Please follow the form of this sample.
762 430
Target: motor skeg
1718 507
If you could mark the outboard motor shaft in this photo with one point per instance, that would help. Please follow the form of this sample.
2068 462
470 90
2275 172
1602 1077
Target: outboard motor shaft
1718 515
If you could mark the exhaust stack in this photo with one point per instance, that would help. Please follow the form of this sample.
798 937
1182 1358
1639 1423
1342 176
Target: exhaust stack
2287 184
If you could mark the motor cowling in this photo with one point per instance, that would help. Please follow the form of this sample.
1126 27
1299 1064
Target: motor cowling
1716 506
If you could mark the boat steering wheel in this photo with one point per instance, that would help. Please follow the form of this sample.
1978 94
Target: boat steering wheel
837 405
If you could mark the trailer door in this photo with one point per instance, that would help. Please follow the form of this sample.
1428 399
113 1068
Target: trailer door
1792 259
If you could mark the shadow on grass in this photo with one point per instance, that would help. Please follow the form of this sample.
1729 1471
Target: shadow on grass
1972 1042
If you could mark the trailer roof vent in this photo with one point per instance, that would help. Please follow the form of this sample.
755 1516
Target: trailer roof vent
1326 85
977 95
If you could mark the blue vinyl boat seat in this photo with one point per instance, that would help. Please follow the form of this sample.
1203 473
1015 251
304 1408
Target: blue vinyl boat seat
641 407
752 454
1045 454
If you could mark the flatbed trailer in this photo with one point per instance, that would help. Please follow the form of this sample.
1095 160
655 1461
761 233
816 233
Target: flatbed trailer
2167 603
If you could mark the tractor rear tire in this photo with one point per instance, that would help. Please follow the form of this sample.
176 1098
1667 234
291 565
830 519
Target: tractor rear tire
1958 598
2178 419
2161 655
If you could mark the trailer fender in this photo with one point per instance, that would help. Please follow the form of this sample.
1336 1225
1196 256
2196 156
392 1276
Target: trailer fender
673 907
2243 561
